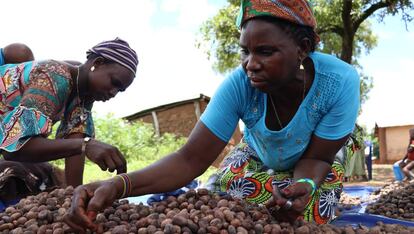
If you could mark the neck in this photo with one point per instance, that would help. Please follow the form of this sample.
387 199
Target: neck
290 92
79 81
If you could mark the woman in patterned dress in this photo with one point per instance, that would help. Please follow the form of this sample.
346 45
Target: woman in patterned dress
37 94
298 107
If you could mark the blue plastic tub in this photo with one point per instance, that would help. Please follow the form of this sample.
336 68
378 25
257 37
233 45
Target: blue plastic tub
360 191
4 205
357 216
363 193
399 175
368 220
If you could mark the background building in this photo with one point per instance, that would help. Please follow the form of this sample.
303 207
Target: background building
393 141
180 118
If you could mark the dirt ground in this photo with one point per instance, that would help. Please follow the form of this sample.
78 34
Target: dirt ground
382 174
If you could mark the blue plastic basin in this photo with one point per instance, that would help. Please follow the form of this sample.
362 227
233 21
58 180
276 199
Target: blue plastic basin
360 191
399 175
368 220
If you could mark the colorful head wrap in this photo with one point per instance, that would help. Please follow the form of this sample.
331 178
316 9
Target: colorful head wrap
297 11
118 51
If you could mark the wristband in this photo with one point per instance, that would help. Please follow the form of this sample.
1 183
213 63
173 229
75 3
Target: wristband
126 188
84 143
309 181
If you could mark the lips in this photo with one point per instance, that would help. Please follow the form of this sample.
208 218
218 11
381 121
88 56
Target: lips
257 82
256 79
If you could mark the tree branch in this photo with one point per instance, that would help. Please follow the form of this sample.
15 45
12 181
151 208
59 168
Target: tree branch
369 11
331 28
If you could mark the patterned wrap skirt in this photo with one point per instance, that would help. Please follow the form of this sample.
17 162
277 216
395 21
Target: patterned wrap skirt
244 176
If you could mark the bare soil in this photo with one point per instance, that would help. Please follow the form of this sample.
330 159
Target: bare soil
382 174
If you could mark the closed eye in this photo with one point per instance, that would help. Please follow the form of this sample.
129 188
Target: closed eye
244 51
118 84
265 50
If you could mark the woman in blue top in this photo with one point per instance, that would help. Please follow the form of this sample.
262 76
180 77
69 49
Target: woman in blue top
298 106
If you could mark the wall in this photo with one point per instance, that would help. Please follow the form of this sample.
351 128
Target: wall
393 143
181 119
382 140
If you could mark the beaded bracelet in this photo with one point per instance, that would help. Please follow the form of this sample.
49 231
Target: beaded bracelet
309 181
126 191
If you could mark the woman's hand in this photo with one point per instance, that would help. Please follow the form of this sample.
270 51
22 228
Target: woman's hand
291 200
106 156
88 200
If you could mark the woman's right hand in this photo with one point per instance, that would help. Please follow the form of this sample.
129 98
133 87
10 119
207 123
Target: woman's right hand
88 200
291 200
106 156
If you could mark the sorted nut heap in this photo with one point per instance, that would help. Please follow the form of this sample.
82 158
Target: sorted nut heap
42 213
397 203
347 202
193 212
385 190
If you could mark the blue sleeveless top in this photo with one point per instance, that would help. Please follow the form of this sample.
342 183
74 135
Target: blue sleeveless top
329 111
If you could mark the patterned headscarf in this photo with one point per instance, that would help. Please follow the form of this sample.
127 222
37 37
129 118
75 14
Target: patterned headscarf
297 11
118 51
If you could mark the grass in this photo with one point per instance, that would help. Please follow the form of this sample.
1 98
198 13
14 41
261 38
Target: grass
94 173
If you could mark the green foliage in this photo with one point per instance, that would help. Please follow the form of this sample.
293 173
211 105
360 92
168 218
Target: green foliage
136 140
222 37
94 173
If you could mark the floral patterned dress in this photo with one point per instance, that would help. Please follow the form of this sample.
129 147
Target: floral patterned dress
34 96
244 176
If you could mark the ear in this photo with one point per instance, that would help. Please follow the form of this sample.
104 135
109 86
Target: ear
98 61
304 48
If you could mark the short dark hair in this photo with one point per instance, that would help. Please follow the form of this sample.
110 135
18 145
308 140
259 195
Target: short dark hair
296 31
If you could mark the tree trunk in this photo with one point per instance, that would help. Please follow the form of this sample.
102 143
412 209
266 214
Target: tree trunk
348 32
347 45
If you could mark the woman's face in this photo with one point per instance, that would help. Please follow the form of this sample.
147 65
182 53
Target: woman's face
107 79
269 56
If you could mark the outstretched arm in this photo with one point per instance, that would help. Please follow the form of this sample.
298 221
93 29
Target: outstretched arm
41 149
171 172
179 168
74 166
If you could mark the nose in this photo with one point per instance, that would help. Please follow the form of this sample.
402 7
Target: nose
251 63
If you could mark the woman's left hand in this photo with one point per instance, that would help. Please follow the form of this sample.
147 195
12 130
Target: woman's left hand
291 200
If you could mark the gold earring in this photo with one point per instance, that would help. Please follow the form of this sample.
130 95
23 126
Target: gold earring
92 68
